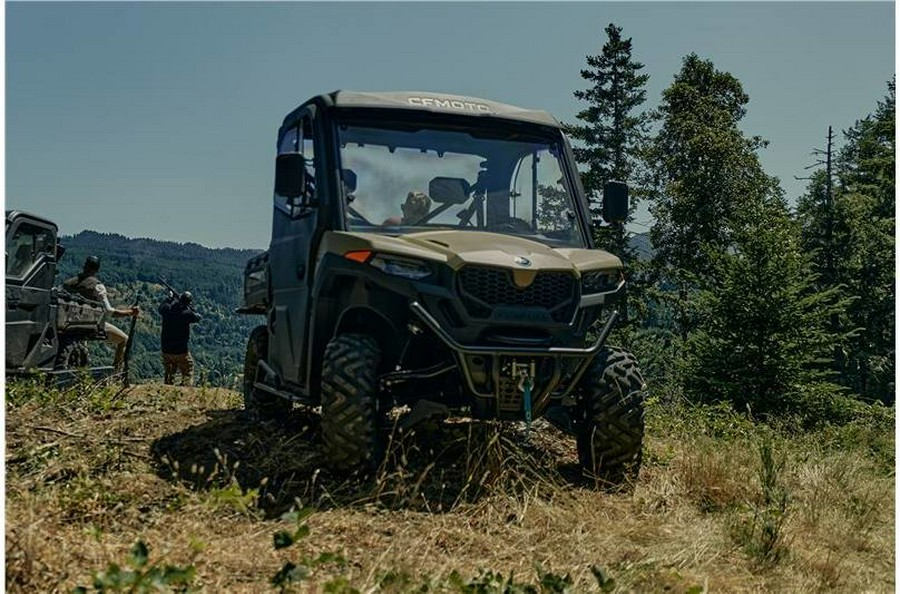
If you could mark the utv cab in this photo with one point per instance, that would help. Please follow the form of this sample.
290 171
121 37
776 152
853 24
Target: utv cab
436 251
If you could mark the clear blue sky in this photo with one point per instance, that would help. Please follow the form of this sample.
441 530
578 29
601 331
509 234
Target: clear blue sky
159 119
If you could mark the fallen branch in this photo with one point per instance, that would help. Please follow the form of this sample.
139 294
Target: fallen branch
85 438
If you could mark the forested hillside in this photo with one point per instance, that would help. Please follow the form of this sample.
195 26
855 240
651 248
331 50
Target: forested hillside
131 270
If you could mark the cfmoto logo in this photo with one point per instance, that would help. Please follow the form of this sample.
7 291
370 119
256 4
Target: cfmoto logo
522 261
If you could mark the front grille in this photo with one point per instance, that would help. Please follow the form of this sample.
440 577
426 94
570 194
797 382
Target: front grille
485 288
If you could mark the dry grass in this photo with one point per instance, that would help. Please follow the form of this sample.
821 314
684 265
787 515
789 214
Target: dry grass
92 471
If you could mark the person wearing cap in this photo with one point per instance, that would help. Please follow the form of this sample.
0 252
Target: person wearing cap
88 285
177 317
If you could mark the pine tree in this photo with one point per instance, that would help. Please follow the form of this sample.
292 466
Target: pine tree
764 338
865 228
611 131
703 178
861 248
704 170
812 215
866 163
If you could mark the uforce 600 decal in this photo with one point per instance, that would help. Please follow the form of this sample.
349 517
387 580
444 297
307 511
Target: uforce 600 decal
447 104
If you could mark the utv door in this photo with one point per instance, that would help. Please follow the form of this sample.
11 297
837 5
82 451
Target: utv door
31 339
293 228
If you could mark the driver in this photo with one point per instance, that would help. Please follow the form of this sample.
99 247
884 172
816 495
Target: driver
415 209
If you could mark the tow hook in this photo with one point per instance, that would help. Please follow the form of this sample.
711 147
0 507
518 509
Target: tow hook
524 372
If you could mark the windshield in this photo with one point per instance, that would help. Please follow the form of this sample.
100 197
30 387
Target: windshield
406 178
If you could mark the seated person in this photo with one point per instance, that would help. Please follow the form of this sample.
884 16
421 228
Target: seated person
415 209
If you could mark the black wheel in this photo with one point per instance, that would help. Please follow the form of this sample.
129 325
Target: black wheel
72 354
262 405
351 430
609 417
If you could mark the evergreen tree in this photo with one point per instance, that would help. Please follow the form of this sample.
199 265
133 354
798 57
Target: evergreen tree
704 170
812 216
611 132
703 178
862 248
865 230
866 163
764 340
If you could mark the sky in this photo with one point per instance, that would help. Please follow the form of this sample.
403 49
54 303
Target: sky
159 119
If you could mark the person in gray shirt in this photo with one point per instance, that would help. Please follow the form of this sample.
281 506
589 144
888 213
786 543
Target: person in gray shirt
89 286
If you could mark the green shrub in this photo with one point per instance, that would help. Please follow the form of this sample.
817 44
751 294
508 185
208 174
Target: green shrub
143 576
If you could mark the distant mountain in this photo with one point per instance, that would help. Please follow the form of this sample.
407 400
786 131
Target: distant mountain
641 244
131 269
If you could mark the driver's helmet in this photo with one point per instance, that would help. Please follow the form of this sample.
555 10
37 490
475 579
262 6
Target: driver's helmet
417 205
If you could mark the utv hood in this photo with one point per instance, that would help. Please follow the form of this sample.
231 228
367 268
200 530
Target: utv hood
462 248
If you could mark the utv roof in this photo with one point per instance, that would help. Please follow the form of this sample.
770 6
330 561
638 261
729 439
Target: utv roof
11 215
433 102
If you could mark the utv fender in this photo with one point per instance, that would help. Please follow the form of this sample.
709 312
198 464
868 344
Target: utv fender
365 320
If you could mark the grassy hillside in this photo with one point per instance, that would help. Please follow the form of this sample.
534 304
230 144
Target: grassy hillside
131 268
722 504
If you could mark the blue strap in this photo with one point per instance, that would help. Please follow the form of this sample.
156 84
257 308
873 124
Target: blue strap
527 389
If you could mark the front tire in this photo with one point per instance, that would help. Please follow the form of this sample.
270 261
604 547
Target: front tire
351 431
261 405
609 417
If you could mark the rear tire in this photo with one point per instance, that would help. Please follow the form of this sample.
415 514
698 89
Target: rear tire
351 431
72 354
609 417
261 405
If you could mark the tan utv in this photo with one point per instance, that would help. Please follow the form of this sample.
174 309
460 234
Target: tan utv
434 251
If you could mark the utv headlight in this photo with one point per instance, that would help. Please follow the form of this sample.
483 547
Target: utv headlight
397 266
600 281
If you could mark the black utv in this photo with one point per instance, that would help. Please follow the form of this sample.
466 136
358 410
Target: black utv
435 251
46 327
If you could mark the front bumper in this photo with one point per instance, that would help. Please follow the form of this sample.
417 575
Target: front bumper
490 371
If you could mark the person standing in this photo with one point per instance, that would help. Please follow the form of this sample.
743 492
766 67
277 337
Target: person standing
177 317
89 286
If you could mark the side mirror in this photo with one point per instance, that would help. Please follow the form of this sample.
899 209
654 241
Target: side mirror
60 250
615 202
449 190
290 169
